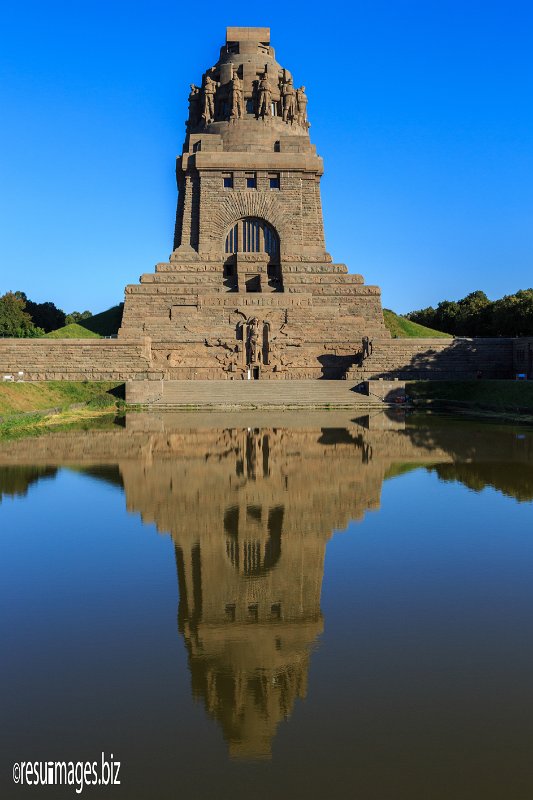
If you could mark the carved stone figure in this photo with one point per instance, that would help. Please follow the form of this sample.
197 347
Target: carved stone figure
237 103
289 100
194 106
301 106
264 97
254 341
210 88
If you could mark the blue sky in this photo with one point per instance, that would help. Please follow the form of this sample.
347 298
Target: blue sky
422 112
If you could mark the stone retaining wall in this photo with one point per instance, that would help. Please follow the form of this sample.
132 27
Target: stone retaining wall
437 359
142 359
74 359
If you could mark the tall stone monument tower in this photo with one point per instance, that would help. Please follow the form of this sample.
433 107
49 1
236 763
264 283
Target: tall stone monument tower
250 291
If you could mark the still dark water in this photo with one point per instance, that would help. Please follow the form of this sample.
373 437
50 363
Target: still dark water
271 606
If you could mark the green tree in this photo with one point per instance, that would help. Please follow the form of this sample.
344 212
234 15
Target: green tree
46 315
513 314
474 315
443 318
14 319
77 316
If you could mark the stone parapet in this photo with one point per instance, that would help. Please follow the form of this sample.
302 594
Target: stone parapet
274 162
186 353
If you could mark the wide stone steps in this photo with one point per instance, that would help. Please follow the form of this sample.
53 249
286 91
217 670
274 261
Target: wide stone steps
248 394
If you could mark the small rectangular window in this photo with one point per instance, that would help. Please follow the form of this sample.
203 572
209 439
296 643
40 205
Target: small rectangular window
251 182
228 180
249 106
273 181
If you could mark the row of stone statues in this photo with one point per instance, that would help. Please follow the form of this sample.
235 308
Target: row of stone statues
203 108
293 101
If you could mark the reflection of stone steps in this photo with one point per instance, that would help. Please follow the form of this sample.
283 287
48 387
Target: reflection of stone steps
248 394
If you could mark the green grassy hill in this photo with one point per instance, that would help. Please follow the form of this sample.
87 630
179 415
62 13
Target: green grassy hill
401 327
72 331
106 323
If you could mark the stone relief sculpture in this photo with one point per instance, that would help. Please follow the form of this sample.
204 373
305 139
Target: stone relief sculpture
210 88
264 97
237 102
254 341
288 98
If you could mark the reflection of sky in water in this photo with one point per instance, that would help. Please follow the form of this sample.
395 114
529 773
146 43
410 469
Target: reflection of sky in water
419 684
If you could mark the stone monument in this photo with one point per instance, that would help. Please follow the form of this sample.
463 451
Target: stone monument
249 290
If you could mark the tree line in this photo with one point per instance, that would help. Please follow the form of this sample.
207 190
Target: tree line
20 316
476 315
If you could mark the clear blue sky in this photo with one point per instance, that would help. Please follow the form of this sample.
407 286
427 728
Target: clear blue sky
422 111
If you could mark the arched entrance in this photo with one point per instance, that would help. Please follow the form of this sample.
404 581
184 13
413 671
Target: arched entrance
253 235
249 236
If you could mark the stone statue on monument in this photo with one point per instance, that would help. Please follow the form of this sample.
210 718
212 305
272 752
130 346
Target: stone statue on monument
301 106
194 106
237 103
254 341
288 100
210 88
264 97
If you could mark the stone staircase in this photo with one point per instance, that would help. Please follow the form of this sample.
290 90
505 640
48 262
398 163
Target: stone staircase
435 359
290 394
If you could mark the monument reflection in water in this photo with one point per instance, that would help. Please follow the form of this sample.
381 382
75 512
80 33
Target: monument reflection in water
250 511
249 567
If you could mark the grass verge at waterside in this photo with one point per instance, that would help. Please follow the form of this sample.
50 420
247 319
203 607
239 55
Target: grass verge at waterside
33 408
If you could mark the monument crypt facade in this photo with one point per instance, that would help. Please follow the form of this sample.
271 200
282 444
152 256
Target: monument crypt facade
249 290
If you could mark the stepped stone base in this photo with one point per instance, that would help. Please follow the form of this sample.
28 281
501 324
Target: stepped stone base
203 326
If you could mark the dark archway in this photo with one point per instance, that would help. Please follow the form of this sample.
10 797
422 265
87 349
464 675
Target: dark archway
253 235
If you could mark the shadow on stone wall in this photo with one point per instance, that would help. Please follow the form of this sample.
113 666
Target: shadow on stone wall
458 359
336 368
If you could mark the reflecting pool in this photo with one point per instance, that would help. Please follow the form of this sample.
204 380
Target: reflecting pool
271 604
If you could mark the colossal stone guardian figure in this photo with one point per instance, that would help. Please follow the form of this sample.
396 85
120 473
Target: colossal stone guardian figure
288 99
301 105
264 97
253 341
237 104
210 89
194 106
